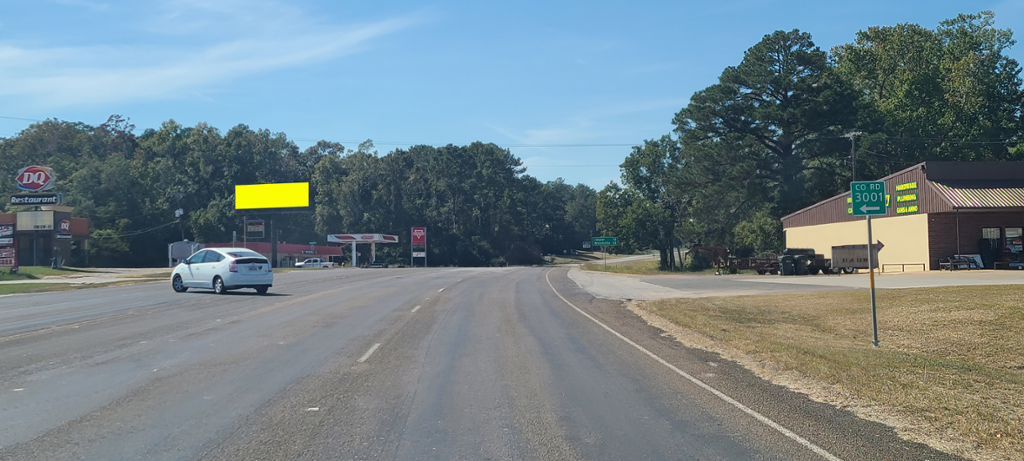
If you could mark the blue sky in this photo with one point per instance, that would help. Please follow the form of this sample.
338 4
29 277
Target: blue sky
543 78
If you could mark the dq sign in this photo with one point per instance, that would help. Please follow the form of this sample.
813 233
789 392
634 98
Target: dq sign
35 178
64 227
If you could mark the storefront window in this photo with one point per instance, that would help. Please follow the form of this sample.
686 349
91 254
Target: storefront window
1014 240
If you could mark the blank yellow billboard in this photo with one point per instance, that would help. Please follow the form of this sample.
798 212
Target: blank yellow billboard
284 195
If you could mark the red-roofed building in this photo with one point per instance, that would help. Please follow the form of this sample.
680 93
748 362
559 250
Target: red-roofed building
289 253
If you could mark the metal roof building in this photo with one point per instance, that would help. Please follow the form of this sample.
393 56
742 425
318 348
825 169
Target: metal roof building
934 210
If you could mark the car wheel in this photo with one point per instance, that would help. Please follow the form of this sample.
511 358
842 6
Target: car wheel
849 270
262 290
218 286
178 284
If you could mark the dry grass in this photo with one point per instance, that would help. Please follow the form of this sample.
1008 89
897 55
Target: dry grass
647 267
950 371
644 267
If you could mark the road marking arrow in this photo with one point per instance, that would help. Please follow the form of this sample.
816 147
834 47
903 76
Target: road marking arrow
865 208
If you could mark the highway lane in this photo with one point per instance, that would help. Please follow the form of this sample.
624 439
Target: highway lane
382 364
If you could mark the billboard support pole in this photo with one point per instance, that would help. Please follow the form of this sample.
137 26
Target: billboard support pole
354 260
273 244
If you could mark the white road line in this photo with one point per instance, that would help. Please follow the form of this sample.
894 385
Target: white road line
415 309
440 290
758 416
368 353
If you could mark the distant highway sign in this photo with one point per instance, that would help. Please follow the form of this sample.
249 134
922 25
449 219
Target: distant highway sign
605 241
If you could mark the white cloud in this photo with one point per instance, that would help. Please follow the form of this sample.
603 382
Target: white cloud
603 124
244 38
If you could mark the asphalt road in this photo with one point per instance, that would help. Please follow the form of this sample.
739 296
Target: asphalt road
409 364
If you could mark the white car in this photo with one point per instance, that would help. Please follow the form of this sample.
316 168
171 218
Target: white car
223 269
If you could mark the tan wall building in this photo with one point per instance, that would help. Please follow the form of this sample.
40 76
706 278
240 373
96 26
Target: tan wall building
935 210
901 237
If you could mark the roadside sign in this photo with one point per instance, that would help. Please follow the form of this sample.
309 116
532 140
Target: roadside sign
418 245
254 229
586 245
868 198
35 178
605 241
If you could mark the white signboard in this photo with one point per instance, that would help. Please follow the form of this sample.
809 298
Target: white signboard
35 220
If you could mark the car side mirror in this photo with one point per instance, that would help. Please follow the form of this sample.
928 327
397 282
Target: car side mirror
187 262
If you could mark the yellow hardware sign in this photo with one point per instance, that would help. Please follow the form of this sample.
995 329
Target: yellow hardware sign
906 186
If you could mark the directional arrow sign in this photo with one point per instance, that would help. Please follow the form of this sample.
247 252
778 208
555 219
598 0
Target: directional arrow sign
868 198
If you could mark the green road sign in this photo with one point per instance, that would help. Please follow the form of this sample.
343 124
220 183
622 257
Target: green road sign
605 241
868 198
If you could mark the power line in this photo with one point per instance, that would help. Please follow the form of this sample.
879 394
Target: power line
20 118
135 232
567 166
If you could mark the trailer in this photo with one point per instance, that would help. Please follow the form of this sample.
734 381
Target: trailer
792 261
763 265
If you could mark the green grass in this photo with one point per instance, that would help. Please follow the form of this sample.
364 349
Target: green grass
633 267
37 272
951 365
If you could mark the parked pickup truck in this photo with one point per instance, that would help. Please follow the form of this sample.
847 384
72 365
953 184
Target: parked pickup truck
314 262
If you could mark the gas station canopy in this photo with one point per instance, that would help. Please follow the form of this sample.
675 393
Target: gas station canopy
372 239
362 238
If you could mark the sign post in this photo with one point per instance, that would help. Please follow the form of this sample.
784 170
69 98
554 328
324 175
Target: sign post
418 245
605 242
868 199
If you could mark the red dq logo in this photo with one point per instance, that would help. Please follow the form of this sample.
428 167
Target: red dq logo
65 227
35 178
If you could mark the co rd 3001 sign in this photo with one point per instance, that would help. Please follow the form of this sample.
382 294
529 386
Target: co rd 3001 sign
868 198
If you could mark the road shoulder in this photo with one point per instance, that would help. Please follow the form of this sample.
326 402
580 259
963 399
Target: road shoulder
836 430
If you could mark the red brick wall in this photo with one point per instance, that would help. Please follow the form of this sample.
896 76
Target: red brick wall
942 230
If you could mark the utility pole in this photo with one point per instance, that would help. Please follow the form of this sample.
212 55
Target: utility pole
853 153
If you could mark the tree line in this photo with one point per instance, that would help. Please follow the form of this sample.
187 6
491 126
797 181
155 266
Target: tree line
477 202
776 132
